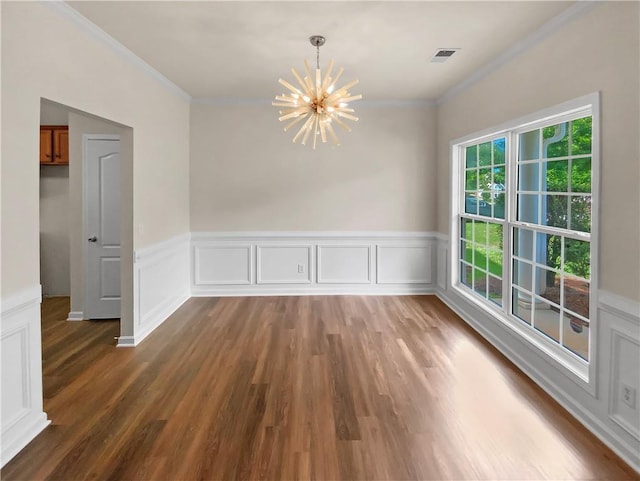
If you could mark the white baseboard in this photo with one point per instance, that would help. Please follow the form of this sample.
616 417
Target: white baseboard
21 390
314 290
126 341
312 263
22 434
75 316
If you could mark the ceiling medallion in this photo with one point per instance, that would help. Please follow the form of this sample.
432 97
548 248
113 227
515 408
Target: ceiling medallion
319 102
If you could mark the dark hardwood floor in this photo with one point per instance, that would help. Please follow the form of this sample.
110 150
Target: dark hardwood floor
288 388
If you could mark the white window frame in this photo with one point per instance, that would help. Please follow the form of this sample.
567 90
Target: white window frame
581 372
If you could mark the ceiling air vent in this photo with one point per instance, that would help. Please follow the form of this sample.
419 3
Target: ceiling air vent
443 54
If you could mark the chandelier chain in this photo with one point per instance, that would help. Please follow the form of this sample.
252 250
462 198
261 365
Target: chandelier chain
318 57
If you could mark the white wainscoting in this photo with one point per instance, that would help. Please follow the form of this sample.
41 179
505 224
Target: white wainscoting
618 350
300 263
22 416
160 284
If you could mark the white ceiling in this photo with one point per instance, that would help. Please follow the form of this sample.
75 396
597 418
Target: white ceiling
214 49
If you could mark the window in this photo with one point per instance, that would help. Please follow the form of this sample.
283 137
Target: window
524 203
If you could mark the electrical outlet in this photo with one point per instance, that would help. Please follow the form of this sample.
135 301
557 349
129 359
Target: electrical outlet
300 268
628 395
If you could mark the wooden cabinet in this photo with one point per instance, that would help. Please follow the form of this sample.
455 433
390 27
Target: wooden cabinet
54 145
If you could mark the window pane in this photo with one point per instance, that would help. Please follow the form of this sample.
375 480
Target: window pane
556 175
577 258
466 227
548 285
495 290
549 251
554 209
576 295
499 179
484 154
498 206
523 243
575 336
480 232
547 319
529 145
581 175
556 140
528 177
499 151
485 204
521 305
466 251
472 156
465 274
480 283
528 208
581 213
495 235
522 272
484 178
581 136
480 260
471 180
471 203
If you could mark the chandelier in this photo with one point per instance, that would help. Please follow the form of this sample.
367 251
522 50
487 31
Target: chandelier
317 100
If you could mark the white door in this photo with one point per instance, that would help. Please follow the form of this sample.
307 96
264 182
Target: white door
102 208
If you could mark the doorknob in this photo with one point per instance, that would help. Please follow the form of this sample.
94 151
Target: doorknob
93 239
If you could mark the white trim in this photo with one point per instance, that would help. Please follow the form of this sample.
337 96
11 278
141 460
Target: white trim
75 316
195 273
541 116
126 341
160 285
116 47
315 241
321 280
307 280
31 424
616 336
161 249
547 29
380 272
313 290
478 320
20 325
21 300
310 235
619 306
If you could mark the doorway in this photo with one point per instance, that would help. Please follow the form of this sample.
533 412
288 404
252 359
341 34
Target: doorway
113 275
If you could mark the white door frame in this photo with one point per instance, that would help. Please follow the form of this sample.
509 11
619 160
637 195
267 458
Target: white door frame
85 211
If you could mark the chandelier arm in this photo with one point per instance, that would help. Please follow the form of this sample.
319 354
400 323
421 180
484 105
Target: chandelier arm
332 134
323 132
303 129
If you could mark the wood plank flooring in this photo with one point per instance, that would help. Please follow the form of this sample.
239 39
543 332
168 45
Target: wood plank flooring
289 388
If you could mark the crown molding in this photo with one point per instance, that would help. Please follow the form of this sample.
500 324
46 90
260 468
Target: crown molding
375 103
64 10
548 28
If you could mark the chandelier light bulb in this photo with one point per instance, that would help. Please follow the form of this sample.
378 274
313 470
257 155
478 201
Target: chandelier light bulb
316 102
